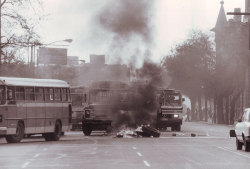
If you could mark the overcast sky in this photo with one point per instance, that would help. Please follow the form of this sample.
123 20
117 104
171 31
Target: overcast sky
128 30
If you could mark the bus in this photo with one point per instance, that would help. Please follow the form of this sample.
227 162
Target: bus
79 96
106 99
170 109
34 106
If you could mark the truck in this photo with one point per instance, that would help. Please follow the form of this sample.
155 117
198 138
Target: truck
169 109
105 100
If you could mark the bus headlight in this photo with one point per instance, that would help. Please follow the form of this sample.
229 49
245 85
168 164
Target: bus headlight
176 115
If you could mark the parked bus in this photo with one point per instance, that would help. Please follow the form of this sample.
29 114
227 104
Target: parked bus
34 106
106 99
170 109
79 95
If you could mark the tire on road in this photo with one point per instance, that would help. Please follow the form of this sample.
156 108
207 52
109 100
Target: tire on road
247 146
16 138
178 127
238 145
87 129
150 131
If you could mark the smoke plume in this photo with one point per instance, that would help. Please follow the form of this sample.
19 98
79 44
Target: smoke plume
129 24
141 105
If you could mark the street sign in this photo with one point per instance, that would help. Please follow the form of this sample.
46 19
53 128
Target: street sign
52 56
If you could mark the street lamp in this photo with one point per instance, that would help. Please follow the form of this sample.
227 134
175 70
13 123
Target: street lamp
65 40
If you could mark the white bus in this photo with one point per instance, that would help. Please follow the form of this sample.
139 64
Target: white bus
34 106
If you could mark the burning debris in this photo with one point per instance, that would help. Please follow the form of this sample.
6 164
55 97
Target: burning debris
141 131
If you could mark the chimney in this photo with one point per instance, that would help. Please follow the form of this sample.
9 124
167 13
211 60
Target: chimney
237 18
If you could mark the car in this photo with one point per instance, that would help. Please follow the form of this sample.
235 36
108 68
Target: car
242 131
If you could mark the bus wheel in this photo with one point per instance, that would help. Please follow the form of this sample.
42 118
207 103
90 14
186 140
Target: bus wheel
87 129
178 127
56 135
18 136
173 128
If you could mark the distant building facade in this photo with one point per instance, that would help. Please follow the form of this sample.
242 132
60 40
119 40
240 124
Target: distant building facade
98 70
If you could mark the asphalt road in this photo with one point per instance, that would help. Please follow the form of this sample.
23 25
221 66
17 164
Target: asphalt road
210 148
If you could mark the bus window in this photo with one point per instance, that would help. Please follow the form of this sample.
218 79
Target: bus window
29 93
10 93
68 95
49 95
2 95
19 93
39 94
64 94
57 92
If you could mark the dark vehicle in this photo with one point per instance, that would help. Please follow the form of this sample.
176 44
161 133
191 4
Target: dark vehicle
170 109
79 97
104 102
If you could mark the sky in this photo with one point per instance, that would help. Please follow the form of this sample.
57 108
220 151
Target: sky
128 31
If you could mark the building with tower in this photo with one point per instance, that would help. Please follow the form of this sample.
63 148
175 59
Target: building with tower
232 59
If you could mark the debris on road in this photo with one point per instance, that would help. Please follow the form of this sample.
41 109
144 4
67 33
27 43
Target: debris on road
193 135
126 133
142 131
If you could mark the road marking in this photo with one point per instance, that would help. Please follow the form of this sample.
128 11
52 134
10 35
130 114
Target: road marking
139 154
146 163
45 149
197 137
25 164
227 149
134 148
60 156
35 156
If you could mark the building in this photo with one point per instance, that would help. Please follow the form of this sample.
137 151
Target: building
233 50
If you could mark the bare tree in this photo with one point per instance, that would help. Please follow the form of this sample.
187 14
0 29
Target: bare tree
18 19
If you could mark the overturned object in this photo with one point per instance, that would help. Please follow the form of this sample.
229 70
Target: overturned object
147 131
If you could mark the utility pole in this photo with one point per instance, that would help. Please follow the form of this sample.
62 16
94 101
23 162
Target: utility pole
1 32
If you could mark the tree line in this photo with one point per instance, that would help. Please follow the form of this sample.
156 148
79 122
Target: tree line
202 74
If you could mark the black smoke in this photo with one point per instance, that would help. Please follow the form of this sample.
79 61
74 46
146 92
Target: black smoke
129 24
141 106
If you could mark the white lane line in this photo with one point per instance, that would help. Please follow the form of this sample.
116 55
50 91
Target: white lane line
146 163
25 164
139 154
134 148
226 149
60 156
35 156
189 137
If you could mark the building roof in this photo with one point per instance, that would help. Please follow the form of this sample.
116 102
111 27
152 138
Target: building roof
14 81
222 19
